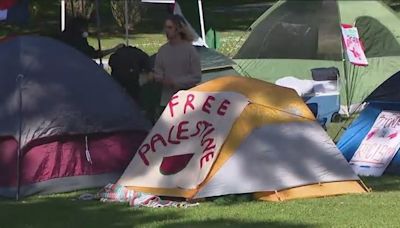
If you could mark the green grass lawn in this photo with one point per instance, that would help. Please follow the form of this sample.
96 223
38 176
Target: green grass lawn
150 43
377 209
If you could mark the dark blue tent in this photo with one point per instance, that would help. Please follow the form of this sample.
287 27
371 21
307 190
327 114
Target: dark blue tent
385 97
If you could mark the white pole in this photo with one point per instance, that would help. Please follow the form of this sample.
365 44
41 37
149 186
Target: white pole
62 15
126 23
97 4
203 32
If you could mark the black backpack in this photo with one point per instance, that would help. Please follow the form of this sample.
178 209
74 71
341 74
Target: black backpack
127 64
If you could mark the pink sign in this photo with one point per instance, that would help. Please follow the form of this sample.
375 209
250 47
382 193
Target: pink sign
379 146
353 46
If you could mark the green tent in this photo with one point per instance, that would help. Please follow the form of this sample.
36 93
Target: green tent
295 36
215 64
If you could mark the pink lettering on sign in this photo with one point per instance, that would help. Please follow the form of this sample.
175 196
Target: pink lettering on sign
171 104
223 107
210 144
198 125
156 138
202 134
170 140
208 132
198 131
142 153
182 130
207 157
391 122
392 136
189 100
207 104
370 135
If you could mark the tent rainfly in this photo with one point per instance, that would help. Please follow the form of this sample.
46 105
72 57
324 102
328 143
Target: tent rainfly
274 148
59 130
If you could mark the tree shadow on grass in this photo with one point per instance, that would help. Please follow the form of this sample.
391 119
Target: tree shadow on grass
234 223
385 183
64 211
231 199
55 211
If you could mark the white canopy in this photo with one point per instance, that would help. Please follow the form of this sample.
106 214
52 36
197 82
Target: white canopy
199 41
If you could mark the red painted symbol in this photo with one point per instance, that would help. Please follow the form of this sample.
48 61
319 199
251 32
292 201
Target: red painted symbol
370 135
174 164
392 136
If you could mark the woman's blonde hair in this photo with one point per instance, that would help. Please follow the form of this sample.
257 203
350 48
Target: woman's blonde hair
182 27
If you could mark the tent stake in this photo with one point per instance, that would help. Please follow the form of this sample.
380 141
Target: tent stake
277 195
365 186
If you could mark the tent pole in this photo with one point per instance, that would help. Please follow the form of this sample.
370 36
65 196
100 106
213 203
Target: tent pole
98 29
126 23
343 126
203 31
62 15
20 78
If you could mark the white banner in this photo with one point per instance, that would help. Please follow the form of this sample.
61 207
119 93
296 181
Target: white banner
353 46
197 40
379 147
186 140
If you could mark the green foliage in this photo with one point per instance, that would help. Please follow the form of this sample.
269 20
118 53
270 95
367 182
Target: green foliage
135 12
79 8
389 2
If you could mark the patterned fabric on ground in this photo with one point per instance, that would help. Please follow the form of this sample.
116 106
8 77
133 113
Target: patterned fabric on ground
118 193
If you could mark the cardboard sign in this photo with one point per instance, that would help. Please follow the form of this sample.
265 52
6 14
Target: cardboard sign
379 147
353 46
186 140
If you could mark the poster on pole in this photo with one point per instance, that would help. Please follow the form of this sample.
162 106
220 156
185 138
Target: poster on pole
379 146
353 46
184 143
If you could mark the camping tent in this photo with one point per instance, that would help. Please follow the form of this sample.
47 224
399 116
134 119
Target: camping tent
273 148
385 98
293 37
65 124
